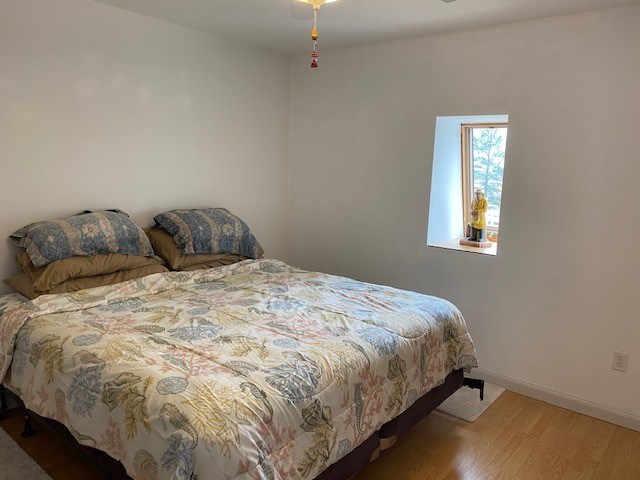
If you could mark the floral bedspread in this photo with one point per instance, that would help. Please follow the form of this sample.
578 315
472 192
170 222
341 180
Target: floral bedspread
256 370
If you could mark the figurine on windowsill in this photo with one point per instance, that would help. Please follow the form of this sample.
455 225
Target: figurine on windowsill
479 208
478 227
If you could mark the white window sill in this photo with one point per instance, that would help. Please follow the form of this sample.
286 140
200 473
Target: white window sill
455 245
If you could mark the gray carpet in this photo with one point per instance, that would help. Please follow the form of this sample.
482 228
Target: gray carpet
466 405
15 464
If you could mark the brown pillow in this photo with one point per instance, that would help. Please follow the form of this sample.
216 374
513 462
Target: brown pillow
214 264
23 284
47 277
165 246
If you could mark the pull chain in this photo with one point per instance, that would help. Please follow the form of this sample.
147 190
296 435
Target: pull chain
314 37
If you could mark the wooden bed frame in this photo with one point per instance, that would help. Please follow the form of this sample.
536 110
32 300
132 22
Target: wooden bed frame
346 468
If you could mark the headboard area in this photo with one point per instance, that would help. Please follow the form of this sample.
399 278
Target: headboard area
43 199
154 118
9 265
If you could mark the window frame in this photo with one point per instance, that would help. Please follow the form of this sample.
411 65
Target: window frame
466 139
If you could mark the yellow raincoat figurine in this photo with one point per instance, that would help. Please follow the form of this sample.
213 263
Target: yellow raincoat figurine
479 208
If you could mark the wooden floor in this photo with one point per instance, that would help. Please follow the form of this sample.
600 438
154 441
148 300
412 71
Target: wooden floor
56 457
517 438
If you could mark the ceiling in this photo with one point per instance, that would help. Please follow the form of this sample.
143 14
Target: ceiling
269 23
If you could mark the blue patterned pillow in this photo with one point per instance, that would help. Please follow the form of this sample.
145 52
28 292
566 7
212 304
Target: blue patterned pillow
82 235
209 230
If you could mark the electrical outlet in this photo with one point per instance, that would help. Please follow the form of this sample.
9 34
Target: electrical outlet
620 361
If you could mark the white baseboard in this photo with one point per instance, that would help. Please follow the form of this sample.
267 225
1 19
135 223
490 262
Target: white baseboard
559 399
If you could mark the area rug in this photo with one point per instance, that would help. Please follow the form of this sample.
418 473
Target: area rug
466 405
15 464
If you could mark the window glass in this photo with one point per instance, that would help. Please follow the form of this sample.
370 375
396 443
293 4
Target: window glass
488 147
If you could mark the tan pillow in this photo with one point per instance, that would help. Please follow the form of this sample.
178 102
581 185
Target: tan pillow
23 284
214 264
47 277
165 247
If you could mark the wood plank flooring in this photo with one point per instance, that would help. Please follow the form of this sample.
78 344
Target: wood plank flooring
518 438
56 457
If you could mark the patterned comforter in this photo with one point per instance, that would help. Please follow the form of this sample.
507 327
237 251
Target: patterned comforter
256 370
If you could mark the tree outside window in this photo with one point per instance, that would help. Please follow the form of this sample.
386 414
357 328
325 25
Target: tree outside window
483 156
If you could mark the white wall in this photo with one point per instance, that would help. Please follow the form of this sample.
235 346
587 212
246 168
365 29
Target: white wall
562 294
100 107
445 186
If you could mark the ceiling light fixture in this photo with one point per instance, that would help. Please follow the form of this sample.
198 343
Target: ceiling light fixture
316 4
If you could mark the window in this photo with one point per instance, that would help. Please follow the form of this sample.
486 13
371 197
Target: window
483 156
468 154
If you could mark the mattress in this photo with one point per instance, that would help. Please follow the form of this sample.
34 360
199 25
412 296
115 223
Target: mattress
256 370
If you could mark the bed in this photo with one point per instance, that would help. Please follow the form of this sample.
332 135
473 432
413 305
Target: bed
256 370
